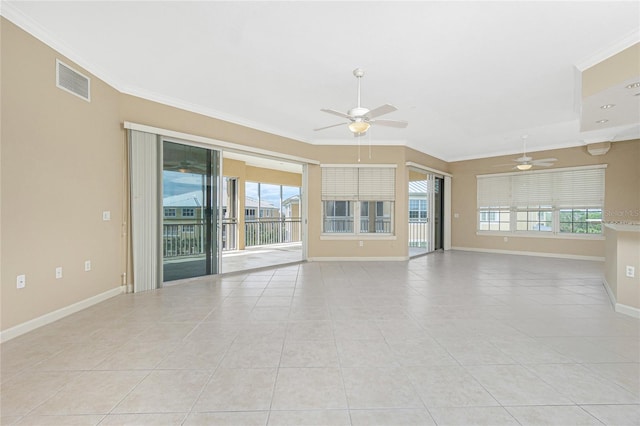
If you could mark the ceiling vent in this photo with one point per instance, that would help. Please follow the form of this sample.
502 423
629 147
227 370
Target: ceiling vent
72 81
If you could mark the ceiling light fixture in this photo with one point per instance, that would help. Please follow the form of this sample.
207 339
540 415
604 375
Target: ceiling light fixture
607 106
602 121
633 85
359 126
524 166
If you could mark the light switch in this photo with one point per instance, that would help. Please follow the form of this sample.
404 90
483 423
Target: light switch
106 215
21 281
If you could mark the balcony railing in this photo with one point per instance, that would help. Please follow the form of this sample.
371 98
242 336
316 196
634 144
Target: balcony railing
259 232
418 232
187 239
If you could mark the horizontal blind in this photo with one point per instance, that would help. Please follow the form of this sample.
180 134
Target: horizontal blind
376 184
339 183
494 191
582 187
579 188
532 190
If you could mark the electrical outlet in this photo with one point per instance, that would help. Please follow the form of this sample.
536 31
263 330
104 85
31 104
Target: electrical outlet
87 265
361 243
21 281
106 215
59 272
630 271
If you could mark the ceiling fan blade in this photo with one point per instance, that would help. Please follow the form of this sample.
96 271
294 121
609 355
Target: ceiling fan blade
545 160
390 123
523 159
381 110
503 165
338 113
328 127
543 164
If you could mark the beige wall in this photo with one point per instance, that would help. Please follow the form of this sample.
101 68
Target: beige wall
62 165
622 199
623 249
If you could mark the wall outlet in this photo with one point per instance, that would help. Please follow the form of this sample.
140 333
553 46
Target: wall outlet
87 265
59 272
106 215
361 243
21 281
630 271
506 239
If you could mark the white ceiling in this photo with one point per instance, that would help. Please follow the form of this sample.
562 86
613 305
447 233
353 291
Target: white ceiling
470 77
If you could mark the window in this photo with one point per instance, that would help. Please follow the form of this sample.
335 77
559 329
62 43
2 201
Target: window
169 212
375 217
495 219
550 202
358 200
188 213
250 213
338 217
417 209
188 228
581 221
535 219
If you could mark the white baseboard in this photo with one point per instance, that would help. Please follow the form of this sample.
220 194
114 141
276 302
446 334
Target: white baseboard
358 259
531 253
619 307
45 319
627 310
612 296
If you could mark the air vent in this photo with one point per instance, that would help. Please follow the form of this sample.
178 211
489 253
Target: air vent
72 81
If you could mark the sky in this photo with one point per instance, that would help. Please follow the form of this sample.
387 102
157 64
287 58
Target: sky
174 183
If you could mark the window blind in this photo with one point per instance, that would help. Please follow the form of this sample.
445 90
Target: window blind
582 187
339 183
377 184
358 183
494 191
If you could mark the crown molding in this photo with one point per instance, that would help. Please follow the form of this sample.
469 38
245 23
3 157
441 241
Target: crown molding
617 47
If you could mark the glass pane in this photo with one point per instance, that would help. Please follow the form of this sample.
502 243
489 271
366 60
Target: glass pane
189 223
579 215
336 217
566 215
594 214
566 227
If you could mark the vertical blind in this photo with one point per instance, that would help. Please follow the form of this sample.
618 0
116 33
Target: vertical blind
359 183
143 169
583 187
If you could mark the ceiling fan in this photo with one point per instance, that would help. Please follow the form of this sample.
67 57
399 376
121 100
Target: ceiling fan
526 162
360 118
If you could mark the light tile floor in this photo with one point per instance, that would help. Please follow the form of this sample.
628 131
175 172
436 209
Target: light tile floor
453 338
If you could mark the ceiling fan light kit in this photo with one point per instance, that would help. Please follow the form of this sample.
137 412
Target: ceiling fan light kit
359 126
524 166
361 118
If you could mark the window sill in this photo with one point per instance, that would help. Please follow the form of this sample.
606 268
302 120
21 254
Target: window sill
358 237
550 235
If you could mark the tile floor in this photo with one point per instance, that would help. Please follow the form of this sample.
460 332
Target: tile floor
452 338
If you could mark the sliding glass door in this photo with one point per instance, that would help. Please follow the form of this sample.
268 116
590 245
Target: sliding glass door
190 182
426 204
